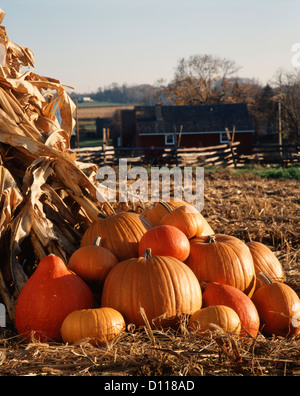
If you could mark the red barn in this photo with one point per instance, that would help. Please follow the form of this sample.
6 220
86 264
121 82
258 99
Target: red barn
197 126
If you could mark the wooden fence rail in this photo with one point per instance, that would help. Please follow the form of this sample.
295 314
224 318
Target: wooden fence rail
226 155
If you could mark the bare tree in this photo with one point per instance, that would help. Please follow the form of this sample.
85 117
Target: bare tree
200 79
287 85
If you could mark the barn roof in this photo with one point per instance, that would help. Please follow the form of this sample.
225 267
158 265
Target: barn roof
195 118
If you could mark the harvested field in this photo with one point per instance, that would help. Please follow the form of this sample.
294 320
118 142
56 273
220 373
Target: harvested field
48 200
247 206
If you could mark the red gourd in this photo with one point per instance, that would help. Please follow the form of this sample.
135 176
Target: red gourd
48 296
218 294
165 240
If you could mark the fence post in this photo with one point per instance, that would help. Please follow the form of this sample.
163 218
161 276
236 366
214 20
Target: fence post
104 146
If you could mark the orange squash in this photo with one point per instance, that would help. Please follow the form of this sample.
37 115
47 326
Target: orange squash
97 326
120 233
224 259
266 262
187 219
165 240
162 285
159 209
213 319
278 306
217 294
92 263
48 296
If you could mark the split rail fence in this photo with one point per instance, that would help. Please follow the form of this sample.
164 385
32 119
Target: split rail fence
225 155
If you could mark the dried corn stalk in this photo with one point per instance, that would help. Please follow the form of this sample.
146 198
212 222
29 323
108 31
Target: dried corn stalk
46 201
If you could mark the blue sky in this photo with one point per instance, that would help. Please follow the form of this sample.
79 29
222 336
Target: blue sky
93 43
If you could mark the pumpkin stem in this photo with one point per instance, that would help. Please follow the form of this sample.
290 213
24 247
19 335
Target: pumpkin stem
264 278
211 238
147 253
97 241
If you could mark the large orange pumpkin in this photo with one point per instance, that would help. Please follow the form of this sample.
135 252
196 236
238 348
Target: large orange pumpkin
92 263
97 326
49 295
162 285
165 240
265 261
278 306
120 233
224 259
212 319
217 294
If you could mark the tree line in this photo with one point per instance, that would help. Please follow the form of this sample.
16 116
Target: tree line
207 79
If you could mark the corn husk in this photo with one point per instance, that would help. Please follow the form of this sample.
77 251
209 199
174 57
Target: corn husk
47 199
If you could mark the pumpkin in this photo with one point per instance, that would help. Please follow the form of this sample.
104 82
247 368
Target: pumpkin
120 233
92 263
164 287
278 306
165 240
48 296
159 209
217 294
98 326
213 319
187 219
224 259
266 262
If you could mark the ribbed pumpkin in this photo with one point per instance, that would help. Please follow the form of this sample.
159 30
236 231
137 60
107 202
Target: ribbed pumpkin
165 240
265 261
48 296
217 294
159 209
120 233
97 326
161 285
278 306
187 219
212 319
92 263
224 259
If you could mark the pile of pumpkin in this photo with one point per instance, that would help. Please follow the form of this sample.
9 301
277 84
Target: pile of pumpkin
164 264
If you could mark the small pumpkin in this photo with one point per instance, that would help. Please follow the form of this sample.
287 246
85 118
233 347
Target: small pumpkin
217 294
186 218
165 240
278 306
120 233
92 263
211 319
266 262
224 259
159 209
163 286
48 296
98 326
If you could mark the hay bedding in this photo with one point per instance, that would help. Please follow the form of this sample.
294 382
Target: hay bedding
48 199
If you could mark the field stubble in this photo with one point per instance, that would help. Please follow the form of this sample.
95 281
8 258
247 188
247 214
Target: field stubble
245 206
